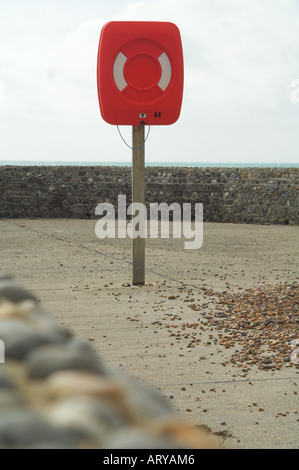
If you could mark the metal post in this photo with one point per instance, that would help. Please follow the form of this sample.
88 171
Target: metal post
138 164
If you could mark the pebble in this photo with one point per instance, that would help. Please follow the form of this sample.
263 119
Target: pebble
12 292
10 398
74 355
86 417
20 337
20 428
5 380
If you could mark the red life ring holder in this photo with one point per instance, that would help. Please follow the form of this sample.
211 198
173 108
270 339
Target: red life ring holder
142 73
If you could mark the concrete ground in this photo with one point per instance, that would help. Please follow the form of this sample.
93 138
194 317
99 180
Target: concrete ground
154 332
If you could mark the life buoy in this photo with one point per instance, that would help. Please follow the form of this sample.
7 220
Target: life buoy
142 75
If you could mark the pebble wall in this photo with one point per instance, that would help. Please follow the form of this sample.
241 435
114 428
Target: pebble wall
235 195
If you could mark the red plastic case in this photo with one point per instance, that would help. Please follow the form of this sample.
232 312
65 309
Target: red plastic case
140 73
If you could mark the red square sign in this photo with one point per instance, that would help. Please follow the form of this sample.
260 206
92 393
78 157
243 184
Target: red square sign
140 73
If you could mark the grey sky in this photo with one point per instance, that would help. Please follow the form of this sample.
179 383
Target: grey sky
240 56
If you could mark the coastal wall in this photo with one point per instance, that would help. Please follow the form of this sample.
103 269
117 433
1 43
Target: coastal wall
236 195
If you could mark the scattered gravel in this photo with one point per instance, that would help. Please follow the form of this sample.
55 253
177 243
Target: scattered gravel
259 324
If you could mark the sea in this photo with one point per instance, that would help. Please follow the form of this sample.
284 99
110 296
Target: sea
163 164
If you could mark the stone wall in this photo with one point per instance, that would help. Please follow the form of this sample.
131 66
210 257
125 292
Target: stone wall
236 195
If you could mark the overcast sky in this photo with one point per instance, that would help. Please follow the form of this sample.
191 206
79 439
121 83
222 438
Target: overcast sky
241 89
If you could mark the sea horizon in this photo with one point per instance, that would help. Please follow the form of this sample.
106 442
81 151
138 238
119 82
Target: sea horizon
149 164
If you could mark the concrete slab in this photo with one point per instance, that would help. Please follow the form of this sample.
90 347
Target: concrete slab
163 332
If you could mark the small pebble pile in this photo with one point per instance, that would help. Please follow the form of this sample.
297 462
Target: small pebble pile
261 325
57 393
